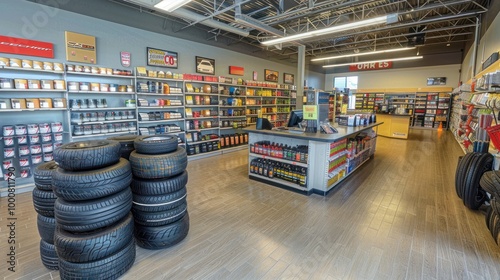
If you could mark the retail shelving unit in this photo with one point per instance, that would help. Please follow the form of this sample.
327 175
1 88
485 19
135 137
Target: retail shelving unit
94 103
29 96
97 112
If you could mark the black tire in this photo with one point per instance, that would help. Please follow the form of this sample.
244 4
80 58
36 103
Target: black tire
96 245
87 155
474 195
48 255
159 203
463 165
154 219
85 216
489 212
110 267
43 201
86 185
43 175
158 166
156 144
163 236
126 144
488 182
46 228
159 186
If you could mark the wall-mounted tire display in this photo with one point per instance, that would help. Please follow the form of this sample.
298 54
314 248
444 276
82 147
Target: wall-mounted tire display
159 192
94 237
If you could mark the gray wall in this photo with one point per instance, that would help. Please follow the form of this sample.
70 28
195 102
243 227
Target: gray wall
38 22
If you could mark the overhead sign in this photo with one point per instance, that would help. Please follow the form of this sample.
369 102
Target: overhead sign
26 47
370 66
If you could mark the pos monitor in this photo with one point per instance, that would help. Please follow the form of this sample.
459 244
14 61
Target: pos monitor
295 118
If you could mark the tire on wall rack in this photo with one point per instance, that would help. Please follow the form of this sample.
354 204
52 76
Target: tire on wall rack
162 236
159 186
48 255
84 216
156 144
87 155
111 267
46 228
44 201
159 203
473 195
92 184
154 219
463 165
43 175
95 245
126 144
158 166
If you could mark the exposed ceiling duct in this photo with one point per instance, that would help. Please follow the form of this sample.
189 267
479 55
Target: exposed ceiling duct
188 15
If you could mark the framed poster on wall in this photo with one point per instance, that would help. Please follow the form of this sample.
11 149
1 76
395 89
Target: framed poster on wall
271 75
288 78
162 58
205 65
433 81
80 47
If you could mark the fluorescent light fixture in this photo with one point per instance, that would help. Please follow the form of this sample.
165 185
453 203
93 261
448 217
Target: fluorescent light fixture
361 54
171 5
373 61
329 30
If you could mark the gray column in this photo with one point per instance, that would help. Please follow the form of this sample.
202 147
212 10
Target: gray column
299 82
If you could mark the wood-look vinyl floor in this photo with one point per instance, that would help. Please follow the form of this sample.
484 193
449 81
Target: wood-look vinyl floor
398 218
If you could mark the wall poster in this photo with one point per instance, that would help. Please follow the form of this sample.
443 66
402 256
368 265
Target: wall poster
80 47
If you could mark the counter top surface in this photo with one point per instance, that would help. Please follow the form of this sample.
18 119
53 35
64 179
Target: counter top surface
343 132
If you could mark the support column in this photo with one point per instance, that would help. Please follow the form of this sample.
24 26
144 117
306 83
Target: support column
299 82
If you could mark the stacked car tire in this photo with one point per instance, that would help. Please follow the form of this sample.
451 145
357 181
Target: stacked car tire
94 227
470 169
126 144
490 182
159 191
43 201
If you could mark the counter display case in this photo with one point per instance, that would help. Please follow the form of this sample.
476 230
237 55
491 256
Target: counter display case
309 162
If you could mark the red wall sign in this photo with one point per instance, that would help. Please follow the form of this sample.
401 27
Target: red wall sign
26 47
236 70
370 66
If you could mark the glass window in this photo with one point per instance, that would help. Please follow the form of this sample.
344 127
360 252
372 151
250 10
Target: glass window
339 82
352 82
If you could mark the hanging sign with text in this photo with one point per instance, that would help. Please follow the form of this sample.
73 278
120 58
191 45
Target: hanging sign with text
370 66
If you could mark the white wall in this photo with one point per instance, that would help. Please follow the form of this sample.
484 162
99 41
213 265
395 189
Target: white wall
400 78
489 43
37 22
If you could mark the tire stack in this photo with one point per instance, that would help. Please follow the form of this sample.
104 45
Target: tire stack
470 169
94 227
43 201
490 182
126 144
159 191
